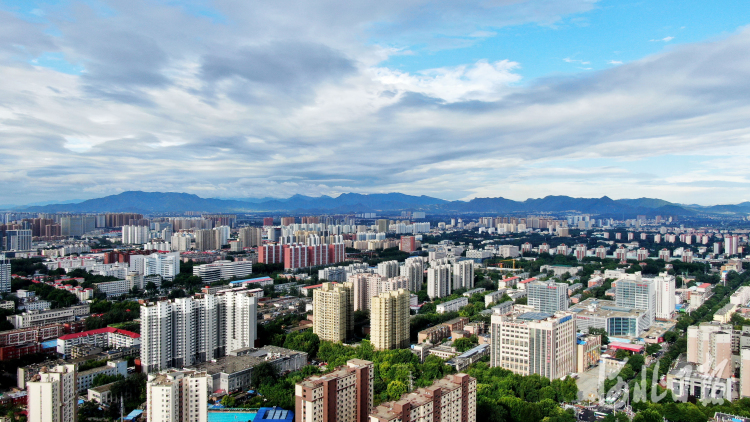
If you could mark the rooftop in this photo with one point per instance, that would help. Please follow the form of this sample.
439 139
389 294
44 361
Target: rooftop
99 331
232 364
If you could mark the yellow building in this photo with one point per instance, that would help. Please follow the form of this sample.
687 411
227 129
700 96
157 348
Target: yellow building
333 309
389 320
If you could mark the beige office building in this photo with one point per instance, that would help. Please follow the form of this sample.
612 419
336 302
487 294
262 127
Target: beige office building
333 309
450 399
344 395
389 320
534 343
52 395
177 396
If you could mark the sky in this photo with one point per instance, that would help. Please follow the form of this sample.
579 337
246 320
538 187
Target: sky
456 100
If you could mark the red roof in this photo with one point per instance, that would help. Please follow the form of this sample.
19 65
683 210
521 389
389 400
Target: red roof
626 346
528 280
100 331
704 285
509 278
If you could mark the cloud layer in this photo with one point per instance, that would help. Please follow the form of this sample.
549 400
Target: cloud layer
237 100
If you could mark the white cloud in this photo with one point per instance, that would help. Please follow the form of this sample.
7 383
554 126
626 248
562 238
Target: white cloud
614 62
268 105
665 39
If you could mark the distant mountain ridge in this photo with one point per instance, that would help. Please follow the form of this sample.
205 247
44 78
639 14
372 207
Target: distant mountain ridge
160 202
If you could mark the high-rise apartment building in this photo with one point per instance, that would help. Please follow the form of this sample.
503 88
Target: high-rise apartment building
271 254
251 237
77 225
183 331
534 343
177 396
344 395
413 269
547 296
463 275
710 348
17 240
635 292
389 320
4 274
439 281
388 269
52 395
135 235
408 244
449 399
205 240
664 286
166 265
731 244
333 311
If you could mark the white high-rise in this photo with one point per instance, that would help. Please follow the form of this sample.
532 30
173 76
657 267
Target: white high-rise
240 312
388 269
547 296
183 331
52 395
135 235
463 275
181 242
439 281
166 265
4 274
413 268
664 285
177 396
635 292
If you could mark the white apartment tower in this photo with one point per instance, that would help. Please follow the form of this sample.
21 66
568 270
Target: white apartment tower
664 285
4 274
135 235
180 332
177 396
534 343
439 281
463 275
52 395
388 269
414 269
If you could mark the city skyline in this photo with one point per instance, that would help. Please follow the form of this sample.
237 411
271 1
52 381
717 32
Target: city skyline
513 99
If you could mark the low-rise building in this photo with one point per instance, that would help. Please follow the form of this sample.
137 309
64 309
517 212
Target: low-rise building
588 351
102 337
52 316
113 367
452 305
101 394
234 373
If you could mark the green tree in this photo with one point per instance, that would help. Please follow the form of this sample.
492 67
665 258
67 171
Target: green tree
228 401
648 415
304 341
103 379
396 389
265 373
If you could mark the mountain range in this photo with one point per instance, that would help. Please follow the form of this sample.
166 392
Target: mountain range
159 202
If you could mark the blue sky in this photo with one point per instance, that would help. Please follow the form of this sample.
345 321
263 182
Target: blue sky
513 98
612 32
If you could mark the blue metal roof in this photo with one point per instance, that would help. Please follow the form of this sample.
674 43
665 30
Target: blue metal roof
250 280
134 414
274 414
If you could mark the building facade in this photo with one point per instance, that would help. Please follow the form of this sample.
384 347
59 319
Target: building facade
389 320
344 395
